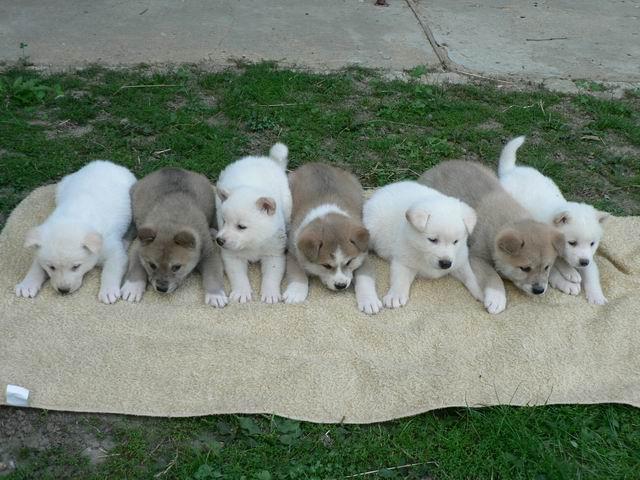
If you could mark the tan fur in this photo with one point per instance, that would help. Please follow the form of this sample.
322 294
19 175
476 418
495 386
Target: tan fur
322 237
505 235
173 211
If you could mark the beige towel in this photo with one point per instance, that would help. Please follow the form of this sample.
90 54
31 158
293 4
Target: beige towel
321 361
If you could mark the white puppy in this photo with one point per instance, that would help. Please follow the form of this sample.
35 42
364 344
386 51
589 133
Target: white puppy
422 232
93 212
580 223
253 207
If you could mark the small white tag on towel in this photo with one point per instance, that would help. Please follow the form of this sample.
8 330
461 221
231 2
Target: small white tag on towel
17 396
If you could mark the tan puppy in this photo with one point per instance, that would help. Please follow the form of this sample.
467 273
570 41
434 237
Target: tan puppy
173 211
327 237
505 238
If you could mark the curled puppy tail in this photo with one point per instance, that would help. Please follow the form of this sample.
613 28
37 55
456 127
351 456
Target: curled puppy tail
508 155
279 154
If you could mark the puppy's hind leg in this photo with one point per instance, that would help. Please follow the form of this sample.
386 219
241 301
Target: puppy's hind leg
273 268
135 280
592 288
113 268
213 277
297 282
365 285
32 282
236 269
401 280
495 296
469 280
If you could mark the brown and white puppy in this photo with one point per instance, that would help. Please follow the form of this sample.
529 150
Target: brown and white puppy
173 212
506 238
327 238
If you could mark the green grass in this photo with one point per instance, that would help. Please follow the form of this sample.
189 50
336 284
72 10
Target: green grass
384 131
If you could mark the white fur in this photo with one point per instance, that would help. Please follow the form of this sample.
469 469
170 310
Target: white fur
92 214
316 213
580 223
417 227
239 188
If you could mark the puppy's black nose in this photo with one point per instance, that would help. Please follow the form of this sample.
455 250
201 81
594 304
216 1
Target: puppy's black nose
162 287
220 241
444 264
584 262
340 286
537 290
63 291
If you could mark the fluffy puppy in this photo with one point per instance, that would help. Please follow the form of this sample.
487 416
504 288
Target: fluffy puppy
506 238
254 209
173 212
327 238
580 223
421 232
92 214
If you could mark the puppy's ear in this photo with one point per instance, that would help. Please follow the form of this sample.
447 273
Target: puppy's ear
92 242
222 194
266 205
469 218
185 238
146 235
309 244
33 238
559 242
602 216
510 241
360 238
561 218
418 217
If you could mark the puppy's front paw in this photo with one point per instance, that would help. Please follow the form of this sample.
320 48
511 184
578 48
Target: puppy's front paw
395 299
132 291
270 296
572 275
369 304
596 298
494 301
240 296
559 282
295 293
27 289
109 295
216 299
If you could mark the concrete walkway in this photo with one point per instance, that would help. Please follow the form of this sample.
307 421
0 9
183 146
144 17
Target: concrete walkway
589 39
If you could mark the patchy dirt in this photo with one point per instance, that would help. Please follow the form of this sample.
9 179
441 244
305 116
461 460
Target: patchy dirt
68 129
489 125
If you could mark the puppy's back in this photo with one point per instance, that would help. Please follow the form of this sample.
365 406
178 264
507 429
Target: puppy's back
316 183
173 191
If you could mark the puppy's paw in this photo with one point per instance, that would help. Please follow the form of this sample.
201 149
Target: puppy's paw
270 296
27 289
369 304
572 275
240 296
395 299
559 282
109 295
494 301
216 299
295 293
596 298
132 291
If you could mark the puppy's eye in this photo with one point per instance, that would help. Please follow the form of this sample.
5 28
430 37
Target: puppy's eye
547 267
175 268
525 269
593 243
242 227
455 242
433 240
327 266
573 244
152 266
347 264
75 267
52 268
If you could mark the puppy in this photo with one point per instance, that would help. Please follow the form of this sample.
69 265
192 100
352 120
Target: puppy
580 223
173 211
506 238
421 232
253 203
327 238
92 214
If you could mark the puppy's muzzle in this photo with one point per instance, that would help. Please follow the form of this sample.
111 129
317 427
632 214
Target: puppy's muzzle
537 289
584 262
162 287
444 264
